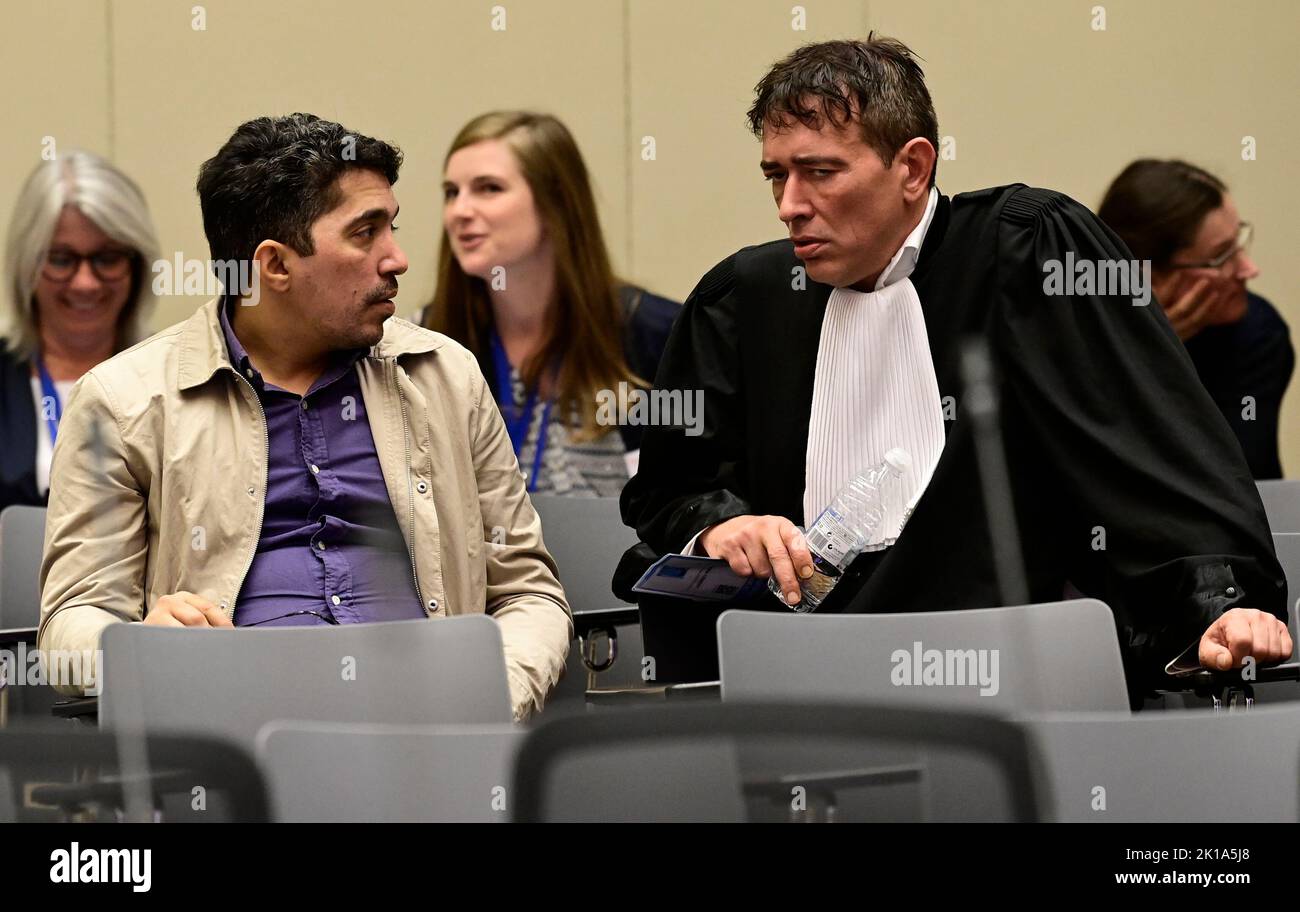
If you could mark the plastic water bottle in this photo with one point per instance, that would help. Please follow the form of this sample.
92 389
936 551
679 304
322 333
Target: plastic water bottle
847 526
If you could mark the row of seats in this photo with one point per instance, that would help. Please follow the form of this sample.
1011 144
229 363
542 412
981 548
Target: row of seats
721 762
409 720
728 761
586 536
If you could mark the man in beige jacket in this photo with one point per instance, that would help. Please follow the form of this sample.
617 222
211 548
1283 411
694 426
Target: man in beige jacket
294 453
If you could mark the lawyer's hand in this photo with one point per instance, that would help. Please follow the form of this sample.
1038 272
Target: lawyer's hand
185 609
762 546
1244 632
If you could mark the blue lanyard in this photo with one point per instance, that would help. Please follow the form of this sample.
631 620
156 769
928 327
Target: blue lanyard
517 420
49 393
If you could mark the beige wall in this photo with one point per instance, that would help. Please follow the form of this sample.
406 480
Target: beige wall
1027 88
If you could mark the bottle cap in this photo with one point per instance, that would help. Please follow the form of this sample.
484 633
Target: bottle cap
898 460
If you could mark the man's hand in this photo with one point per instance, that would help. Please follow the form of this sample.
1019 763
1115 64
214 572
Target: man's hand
1244 632
185 609
762 546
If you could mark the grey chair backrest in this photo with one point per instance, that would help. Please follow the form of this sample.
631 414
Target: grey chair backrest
352 773
232 682
1281 504
1052 656
587 538
8 800
22 542
52 769
1187 766
680 762
1287 545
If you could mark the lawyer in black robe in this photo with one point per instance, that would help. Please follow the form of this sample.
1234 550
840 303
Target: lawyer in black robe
1105 425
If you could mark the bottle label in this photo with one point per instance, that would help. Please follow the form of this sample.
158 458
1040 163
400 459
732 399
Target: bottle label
833 540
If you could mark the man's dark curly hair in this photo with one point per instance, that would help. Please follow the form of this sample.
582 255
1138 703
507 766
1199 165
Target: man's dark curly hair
276 176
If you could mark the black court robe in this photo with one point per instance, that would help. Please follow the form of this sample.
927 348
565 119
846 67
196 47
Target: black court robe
1104 422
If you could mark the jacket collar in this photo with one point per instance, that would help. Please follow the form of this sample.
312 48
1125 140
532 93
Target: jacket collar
203 345
935 231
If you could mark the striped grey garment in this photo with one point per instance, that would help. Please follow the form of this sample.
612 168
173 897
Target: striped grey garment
874 388
597 468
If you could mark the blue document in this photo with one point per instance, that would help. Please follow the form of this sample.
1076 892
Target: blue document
700 579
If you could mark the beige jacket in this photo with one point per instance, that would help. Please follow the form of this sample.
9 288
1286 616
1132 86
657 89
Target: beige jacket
164 447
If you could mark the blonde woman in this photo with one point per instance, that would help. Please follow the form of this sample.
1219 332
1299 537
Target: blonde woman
77 261
524 282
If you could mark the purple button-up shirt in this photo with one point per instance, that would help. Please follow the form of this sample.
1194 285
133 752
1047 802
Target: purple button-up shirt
330 542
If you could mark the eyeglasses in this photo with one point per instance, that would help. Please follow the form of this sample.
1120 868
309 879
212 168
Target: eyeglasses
1245 234
324 617
109 265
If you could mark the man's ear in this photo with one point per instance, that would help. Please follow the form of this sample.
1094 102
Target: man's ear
917 156
273 261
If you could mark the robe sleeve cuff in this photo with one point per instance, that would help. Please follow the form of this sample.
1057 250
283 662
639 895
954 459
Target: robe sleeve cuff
693 547
1215 592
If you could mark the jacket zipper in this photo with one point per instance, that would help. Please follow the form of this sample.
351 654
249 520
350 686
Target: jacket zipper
261 504
410 496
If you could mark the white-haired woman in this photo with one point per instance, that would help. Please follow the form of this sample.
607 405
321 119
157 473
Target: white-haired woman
76 292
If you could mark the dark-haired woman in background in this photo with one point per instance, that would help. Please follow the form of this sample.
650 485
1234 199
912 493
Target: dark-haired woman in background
525 283
1182 219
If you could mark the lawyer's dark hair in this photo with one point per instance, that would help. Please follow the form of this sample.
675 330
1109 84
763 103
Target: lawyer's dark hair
1157 206
877 83
276 176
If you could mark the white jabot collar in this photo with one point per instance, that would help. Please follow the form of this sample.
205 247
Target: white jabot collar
875 388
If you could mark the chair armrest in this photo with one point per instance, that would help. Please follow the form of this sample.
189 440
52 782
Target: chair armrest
12 636
83 708
584 622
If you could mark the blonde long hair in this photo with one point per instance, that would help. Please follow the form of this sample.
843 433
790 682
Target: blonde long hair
584 322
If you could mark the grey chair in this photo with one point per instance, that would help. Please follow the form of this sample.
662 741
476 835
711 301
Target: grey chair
587 538
1193 766
1281 504
321 773
229 683
1287 545
1057 656
681 763
22 542
51 773
1053 656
